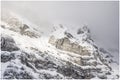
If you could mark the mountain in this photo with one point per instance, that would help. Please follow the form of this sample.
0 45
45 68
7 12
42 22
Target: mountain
26 53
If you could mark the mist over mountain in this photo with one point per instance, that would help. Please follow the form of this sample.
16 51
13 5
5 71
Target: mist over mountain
59 40
101 17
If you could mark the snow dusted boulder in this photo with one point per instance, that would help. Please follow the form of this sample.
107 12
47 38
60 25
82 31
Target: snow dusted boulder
8 44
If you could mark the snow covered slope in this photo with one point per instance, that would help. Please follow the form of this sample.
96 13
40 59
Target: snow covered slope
28 54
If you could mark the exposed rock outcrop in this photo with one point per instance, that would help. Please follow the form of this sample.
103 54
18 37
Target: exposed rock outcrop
82 30
24 30
8 44
67 45
17 25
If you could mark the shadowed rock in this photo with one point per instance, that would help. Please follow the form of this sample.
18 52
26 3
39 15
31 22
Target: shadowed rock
8 44
6 56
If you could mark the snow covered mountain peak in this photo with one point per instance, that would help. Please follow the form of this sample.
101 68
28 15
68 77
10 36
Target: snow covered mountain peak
65 54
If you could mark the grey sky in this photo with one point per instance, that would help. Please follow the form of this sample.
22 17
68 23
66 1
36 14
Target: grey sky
101 17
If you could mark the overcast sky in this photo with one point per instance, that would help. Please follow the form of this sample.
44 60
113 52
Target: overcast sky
101 17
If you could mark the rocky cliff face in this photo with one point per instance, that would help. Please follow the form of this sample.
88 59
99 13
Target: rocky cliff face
67 45
93 59
14 57
26 55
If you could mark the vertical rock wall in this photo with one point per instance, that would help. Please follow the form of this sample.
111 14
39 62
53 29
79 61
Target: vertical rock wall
67 45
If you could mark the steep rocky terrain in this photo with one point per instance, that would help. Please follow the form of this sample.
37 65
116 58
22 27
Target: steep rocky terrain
28 54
